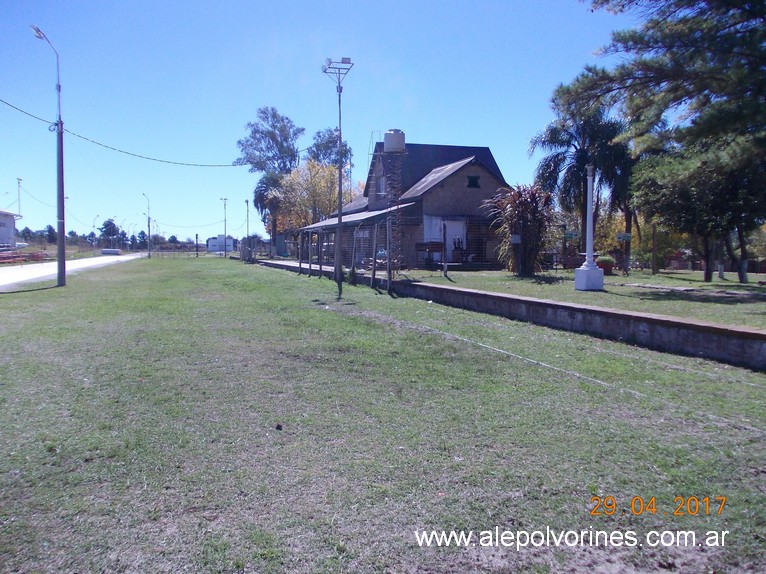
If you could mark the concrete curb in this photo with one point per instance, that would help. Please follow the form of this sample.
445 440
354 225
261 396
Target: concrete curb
740 346
735 345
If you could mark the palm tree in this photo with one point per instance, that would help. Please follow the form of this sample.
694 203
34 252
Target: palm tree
577 137
267 199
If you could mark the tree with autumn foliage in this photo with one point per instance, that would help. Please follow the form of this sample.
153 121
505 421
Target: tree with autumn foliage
309 194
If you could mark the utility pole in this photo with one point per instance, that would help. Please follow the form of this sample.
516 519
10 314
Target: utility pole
18 192
148 225
61 233
225 240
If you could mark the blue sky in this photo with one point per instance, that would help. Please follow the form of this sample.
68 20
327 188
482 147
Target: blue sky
178 81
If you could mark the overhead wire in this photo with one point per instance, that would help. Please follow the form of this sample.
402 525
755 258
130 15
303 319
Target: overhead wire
118 150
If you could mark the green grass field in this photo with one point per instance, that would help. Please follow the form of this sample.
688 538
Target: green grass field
675 293
201 415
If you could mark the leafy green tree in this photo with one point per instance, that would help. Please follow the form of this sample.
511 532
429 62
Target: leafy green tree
324 150
50 234
73 238
270 148
26 234
109 231
702 58
524 213
142 244
271 145
708 190
698 65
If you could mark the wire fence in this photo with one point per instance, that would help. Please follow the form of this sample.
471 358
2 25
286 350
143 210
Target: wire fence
423 243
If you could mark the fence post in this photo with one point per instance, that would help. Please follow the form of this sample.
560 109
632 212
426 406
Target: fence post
444 248
300 253
374 254
389 269
310 243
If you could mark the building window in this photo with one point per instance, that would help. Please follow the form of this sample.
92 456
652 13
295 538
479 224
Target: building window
382 186
473 181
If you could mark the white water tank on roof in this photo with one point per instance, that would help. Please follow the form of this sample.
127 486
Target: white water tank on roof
393 141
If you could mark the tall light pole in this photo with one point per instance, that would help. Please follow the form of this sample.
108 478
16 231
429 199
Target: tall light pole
94 232
589 277
61 237
225 241
148 225
337 71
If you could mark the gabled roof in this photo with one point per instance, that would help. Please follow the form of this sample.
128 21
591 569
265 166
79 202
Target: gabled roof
420 159
355 218
434 177
354 206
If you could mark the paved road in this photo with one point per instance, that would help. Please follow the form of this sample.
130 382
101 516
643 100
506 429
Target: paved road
15 274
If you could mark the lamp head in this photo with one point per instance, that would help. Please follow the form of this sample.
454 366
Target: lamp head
38 33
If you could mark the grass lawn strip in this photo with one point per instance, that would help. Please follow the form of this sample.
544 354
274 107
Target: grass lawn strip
141 404
678 294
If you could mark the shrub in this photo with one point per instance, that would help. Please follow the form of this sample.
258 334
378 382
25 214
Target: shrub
523 212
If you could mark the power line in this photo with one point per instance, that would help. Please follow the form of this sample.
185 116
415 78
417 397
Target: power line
26 113
150 158
118 150
25 190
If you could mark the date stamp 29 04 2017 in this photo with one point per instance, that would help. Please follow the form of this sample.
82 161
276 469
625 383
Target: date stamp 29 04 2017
681 506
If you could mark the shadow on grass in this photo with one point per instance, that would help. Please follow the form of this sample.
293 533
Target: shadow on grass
540 278
662 295
696 281
31 290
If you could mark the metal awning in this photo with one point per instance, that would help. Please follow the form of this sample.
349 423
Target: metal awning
354 218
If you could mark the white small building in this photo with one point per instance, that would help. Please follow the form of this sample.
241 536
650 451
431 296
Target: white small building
8 228
216 244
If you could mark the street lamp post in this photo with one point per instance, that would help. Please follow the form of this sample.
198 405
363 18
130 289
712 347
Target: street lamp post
94 232
148 225
589 277
338 71
61 237
224 199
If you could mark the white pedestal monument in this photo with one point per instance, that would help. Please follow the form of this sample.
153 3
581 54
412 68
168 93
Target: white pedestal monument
589 277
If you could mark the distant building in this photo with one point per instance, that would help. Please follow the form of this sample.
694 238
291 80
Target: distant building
8 228
216 244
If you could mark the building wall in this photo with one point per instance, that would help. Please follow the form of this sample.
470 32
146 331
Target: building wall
375 199
215 244
7 229
453 196
459 205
